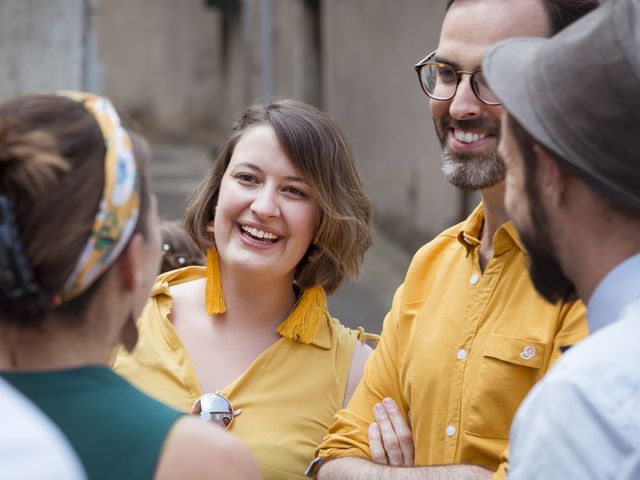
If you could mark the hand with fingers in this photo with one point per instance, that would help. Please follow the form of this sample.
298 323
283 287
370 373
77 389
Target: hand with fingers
390 437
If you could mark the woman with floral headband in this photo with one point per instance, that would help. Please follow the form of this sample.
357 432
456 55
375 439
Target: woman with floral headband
248 342
78 254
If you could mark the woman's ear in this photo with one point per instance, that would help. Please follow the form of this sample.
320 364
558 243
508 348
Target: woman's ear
130 264
130 279
313 251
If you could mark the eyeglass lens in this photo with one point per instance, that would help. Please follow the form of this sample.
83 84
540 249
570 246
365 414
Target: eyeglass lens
214 408
482 90
441 82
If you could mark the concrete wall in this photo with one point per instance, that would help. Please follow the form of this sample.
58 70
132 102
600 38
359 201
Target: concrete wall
162 63
297 62
372 90
291 40
43 45
184 70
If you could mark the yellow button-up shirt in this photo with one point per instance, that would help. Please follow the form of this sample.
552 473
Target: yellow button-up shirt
460 349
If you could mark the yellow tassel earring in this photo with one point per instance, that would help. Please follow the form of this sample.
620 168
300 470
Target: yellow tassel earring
307 316
213 294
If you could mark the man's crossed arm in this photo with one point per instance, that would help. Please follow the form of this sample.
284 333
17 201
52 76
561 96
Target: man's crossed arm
393 455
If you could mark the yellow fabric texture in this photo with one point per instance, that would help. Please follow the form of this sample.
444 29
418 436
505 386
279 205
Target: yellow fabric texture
462 404
288 396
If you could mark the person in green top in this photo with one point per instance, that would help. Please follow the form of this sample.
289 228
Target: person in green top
78 255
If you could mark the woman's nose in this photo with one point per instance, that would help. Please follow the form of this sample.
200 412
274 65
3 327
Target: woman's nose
266 203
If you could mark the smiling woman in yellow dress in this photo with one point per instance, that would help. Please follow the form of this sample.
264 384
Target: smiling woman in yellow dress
247 341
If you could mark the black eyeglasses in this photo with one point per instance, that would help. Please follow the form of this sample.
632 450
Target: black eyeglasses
440 81
215 408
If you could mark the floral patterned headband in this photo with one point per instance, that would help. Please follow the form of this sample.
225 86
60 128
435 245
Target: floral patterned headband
119 207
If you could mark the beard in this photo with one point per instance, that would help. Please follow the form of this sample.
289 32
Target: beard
469 171
545 270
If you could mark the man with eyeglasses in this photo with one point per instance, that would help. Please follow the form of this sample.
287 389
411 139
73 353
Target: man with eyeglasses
467 336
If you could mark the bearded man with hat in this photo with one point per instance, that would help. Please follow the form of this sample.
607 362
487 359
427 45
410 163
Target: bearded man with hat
571 144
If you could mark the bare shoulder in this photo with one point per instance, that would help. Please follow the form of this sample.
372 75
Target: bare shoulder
187 290
361 353
187 299
198 450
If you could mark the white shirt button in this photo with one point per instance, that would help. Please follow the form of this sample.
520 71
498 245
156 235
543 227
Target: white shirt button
474 279
461 354
451 431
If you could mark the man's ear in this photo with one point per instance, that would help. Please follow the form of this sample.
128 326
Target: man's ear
552 177
130 263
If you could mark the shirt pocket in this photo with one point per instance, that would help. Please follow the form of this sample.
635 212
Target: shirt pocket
508 369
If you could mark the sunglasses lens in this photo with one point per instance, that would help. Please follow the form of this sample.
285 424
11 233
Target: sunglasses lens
214 408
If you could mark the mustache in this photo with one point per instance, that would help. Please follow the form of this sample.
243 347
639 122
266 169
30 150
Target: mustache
490 126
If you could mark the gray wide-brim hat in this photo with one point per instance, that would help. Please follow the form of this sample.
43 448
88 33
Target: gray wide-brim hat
578 94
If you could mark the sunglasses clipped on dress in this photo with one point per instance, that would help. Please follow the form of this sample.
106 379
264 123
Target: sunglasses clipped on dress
215 408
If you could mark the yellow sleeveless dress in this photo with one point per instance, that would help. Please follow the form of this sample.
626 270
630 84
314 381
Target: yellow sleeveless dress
288 395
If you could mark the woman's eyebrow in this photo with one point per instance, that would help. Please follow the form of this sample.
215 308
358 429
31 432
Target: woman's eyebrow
290 178
295 179
248 165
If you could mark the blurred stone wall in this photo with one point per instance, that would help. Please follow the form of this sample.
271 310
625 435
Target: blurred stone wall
372 90
162 63
46 45
183 70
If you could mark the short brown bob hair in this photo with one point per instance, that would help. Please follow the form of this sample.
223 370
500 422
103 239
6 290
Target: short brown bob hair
318 148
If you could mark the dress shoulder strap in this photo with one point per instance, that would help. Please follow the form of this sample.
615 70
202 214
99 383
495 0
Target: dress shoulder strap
365 337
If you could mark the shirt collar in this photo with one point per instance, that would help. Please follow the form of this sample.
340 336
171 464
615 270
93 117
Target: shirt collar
619 287
323 336
513 233
175 277
471 229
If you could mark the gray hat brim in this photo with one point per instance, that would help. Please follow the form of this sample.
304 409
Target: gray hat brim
506 68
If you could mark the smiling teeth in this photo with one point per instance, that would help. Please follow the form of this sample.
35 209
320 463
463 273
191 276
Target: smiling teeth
259 233
467 137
